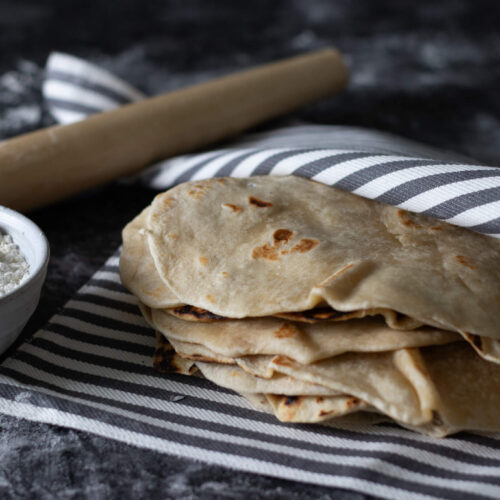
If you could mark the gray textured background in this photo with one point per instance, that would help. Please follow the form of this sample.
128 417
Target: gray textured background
426 70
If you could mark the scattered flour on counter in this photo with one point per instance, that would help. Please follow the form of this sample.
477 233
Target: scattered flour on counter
13 266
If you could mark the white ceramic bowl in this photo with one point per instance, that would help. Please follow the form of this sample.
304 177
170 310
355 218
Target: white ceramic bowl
17 306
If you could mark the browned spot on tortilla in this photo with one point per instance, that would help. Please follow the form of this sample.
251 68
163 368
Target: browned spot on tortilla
405 219
259 203
319 399
324 413
167 201
165 358
286 330
305 245
198 190
437 228
205 359
191 313
234 208
265 251
352 402
281 236
225 274
316 314
336 275
220 180
284 252
172 235
436 418
203 260
291 400
462 260
475 340
283 360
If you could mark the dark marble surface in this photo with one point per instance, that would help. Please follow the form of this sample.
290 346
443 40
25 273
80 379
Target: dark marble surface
426 70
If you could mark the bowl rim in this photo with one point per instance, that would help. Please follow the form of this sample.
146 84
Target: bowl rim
40 268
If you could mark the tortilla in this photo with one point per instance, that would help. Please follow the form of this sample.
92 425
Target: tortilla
137 268
236 379
302 342
316 315
269 245
311 409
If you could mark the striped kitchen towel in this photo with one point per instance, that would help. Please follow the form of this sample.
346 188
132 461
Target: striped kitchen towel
90 368
372 164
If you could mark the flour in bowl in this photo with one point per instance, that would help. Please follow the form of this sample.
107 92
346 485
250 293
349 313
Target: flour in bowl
13 266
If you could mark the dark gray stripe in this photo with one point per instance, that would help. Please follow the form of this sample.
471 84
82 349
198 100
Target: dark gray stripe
98 340
72 106
409 189
113 324
227 429
490 227
99 300
266 165
316 166
297 461
319 430
454 206
98 88
361 177
186 176
228 168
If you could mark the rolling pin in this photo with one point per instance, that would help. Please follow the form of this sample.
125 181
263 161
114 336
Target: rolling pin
53 163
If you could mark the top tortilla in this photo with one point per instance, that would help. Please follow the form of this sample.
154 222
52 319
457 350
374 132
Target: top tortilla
268 245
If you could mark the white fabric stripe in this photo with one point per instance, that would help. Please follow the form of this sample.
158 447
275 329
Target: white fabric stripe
66 116
332 175
384 183
211 168
73 93
174 168
248 165
108 312
68 64
244 423
486 213
103 351
108 275
101 331
288 165
64 419
124 297
440 194
312 437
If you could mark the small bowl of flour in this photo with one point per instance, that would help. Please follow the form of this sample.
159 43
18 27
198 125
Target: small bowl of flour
24 255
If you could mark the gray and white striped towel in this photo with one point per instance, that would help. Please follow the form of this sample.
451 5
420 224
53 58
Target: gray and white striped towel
90 367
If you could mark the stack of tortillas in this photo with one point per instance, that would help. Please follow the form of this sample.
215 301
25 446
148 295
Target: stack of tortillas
320 303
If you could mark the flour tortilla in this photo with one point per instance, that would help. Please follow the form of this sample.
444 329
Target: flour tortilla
303 342
269 245
312 409
236 379
137 269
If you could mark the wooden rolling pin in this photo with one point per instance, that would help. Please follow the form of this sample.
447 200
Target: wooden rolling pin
41 167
